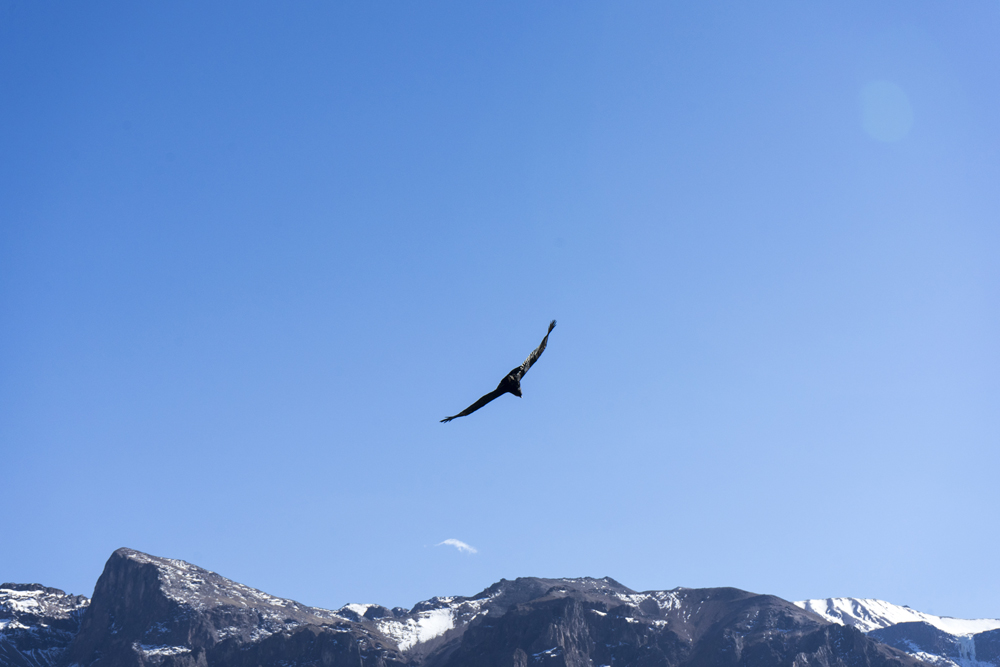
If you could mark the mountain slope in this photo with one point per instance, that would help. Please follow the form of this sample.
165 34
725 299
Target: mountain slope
867 615
36 624
939 640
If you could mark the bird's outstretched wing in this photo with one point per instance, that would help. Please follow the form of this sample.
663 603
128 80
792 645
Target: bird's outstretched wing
519 372
478 404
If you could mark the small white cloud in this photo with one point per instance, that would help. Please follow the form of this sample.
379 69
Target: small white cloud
458 544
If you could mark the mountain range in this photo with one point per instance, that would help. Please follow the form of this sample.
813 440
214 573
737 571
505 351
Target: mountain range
148 610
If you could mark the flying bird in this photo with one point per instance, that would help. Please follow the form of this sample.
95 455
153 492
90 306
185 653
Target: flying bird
511 382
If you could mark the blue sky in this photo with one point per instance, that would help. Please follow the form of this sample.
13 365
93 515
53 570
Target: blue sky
251 253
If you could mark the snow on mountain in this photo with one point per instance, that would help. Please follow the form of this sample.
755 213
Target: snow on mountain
37 623
427 625
868 615
431 619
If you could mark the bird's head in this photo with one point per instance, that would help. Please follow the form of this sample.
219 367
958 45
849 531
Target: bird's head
516 391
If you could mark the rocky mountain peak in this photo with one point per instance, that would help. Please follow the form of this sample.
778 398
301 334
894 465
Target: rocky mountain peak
37 623
152 610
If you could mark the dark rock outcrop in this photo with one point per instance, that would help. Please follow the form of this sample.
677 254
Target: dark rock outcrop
920 637
987 646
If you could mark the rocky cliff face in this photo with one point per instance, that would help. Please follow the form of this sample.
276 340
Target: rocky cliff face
36 624
150 611
157 611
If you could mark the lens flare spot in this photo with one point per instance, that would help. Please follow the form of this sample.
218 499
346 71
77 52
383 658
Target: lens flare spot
886 114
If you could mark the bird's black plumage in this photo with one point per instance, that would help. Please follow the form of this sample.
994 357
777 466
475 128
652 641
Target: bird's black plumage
511 383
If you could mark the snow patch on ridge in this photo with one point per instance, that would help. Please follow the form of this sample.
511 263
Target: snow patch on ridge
665 600
867 615
358 609
22 601
162 651
412 631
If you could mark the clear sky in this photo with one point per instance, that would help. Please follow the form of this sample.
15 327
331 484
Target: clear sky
251 253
